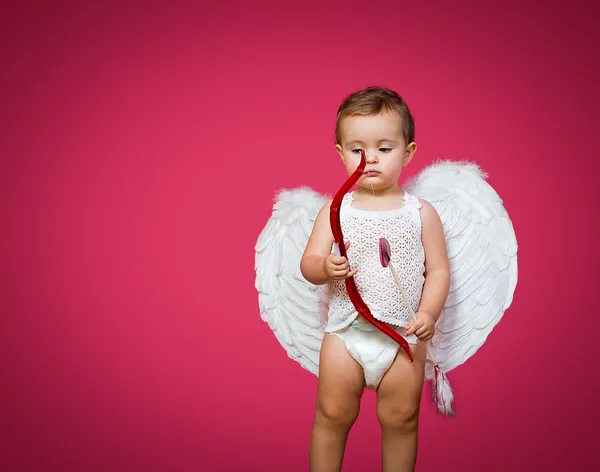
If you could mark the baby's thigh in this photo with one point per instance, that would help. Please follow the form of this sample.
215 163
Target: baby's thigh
399 393
341 381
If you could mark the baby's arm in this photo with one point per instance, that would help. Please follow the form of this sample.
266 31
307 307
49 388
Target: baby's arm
318 265
437 267
437 274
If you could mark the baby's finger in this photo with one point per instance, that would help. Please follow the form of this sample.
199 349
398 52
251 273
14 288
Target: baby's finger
347 244
341 277
339 260
351 273
417 326
421 331
340 272
343 267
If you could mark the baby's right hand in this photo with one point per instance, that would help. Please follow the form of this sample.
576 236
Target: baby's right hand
337 267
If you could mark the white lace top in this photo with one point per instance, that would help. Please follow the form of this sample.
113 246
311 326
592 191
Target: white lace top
375 283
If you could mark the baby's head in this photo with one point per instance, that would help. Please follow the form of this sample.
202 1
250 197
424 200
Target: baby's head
377 120
372 101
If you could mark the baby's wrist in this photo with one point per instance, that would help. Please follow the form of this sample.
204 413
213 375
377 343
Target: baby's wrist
431 314
328 276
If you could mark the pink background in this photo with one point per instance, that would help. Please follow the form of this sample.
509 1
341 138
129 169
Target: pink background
131 338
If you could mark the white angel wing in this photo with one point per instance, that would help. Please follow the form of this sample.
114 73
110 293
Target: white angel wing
294 308
482 249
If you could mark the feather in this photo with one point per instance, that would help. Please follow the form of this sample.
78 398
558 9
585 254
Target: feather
482 252
443 394
294 309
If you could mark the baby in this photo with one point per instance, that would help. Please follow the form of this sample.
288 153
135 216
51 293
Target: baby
354 353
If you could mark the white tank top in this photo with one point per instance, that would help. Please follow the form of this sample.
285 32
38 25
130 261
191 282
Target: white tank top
375 283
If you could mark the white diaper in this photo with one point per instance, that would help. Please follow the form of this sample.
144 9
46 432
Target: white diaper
373 350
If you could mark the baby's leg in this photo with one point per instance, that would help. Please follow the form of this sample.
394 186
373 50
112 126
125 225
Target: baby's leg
341 384
398 402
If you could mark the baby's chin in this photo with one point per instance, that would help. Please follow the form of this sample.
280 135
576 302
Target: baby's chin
375 183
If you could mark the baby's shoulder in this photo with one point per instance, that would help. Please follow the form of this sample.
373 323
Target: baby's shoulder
326 207
417 202
429 215
424 205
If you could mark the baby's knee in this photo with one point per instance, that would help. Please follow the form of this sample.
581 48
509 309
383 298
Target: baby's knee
398 416
337 413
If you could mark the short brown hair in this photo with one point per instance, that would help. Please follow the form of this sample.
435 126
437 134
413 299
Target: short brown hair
372 101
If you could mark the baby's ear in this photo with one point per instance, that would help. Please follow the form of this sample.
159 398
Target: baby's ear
338 148
409 153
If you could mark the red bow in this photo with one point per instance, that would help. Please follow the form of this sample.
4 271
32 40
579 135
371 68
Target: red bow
336 228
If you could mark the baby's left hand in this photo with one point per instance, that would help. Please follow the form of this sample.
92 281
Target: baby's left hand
424 327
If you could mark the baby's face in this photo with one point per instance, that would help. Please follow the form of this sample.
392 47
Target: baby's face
385 148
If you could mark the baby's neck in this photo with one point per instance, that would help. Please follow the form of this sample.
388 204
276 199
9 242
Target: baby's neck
381 199
391 192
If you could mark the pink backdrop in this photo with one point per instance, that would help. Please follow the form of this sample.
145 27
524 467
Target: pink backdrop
131 338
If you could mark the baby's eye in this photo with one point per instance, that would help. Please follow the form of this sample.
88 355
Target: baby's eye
356 151
385 149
